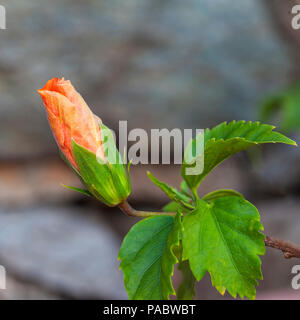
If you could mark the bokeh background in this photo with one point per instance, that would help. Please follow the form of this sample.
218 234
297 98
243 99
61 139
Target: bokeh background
158 64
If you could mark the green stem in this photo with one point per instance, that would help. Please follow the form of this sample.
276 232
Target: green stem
195 194
127 209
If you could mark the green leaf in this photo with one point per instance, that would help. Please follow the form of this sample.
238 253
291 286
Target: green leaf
186 290
171 207
288 103
209 197
184 188
227 139
193 162
148 258
85 192
172 193
224 238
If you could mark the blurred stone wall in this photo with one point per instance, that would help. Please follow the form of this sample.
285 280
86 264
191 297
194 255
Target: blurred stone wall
155 63
158 64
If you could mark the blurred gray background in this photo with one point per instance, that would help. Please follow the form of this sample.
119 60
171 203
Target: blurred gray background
158 64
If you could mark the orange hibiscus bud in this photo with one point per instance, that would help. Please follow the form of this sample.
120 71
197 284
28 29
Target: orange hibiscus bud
86 143
70 118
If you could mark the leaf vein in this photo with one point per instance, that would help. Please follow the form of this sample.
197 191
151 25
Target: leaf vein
226 245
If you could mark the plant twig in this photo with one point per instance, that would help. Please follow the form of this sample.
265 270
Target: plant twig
289 249
127 209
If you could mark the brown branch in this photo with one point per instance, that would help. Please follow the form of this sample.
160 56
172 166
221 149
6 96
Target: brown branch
289 249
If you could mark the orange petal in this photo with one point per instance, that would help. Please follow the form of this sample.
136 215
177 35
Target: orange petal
70 117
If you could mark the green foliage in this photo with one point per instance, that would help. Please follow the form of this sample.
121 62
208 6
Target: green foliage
175 195
287 102
227 139
219 234
221 193
193 162
223 238
85 192
148 259
184 188
106 182
172 207
186 290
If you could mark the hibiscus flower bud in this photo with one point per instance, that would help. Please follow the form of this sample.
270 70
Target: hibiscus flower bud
85 143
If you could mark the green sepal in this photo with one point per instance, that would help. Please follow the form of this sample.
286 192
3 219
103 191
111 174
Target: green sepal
85 192
107 182
119 172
